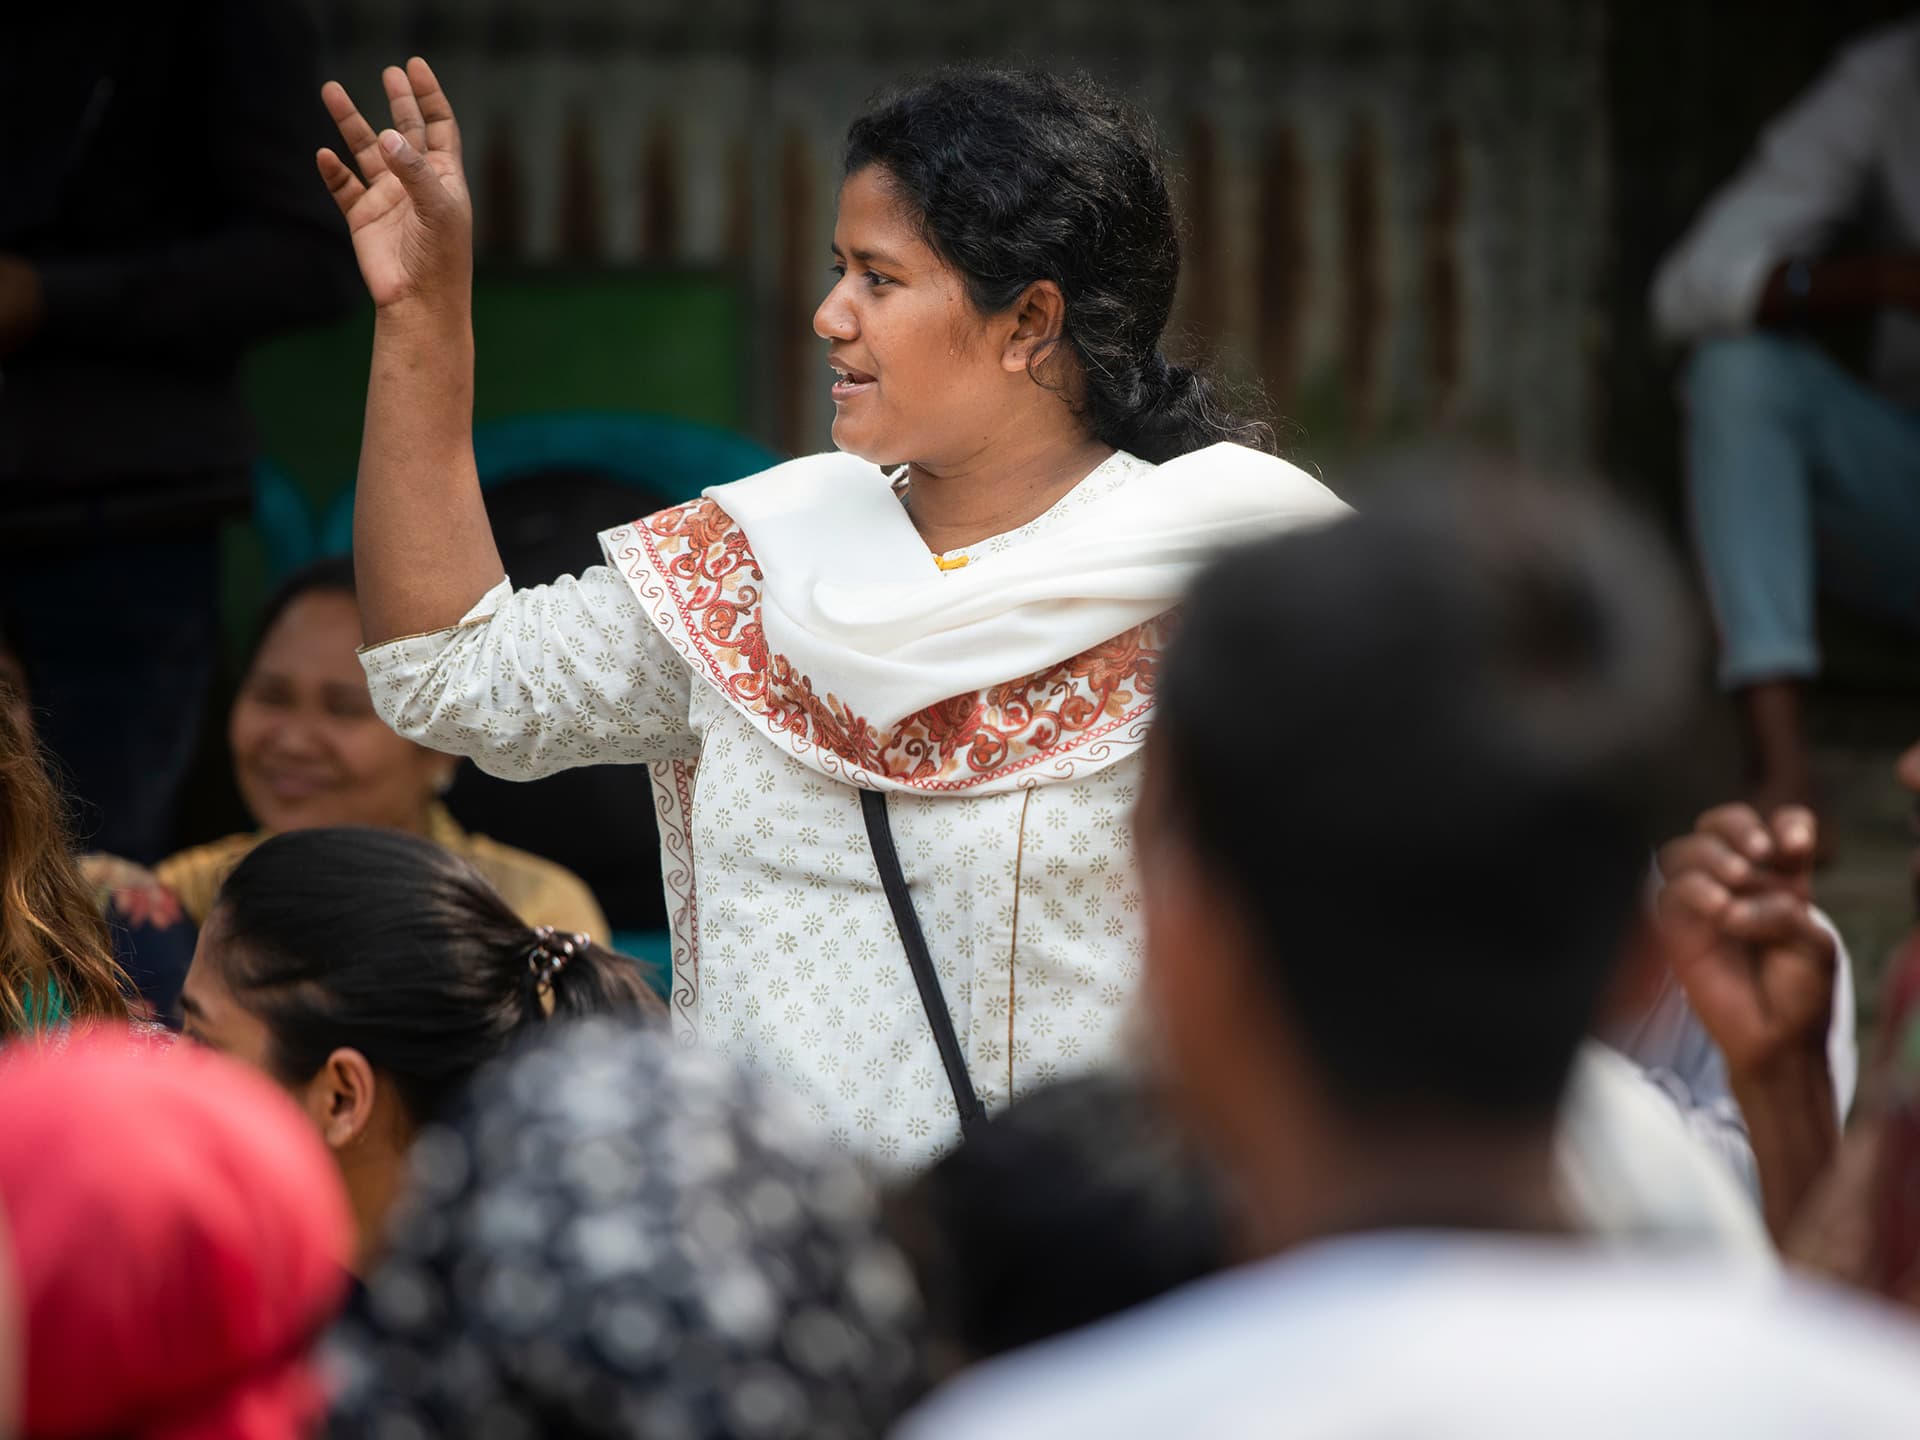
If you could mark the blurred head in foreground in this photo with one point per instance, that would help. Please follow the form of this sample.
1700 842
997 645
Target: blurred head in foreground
613 1236
370 973
1406 775
178 1241
1082 1200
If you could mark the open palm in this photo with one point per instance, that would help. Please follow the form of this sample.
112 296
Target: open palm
407 207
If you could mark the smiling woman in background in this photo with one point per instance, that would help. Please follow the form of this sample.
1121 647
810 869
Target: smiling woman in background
308 750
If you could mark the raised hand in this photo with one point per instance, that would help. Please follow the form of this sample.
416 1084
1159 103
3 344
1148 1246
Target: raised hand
1758 968
1737 910
407 208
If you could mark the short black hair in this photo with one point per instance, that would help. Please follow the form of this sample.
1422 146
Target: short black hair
1079 1201
1430 749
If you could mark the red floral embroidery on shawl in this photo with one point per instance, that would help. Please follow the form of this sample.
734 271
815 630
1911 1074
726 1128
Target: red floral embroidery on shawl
953 744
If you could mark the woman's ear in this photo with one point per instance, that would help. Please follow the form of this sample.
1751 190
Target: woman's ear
340 1098
1039 321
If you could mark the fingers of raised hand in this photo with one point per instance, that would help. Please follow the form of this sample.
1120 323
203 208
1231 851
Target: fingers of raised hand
1796 833
423 186
443 131
405 109
1742 828
342 183
1777 919
1693 897
360 139
1708 852
1795 829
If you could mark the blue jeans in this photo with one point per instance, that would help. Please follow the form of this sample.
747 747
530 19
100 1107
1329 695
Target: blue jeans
1801 477
119 639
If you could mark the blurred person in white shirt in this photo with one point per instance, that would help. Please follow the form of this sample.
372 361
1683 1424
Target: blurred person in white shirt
1369 974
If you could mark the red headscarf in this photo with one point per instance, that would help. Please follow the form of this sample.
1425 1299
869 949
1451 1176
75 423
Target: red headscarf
179 1235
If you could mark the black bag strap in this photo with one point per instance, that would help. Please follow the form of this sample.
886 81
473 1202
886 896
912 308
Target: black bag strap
973 1114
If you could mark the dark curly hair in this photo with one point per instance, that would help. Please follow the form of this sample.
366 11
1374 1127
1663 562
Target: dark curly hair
1020 175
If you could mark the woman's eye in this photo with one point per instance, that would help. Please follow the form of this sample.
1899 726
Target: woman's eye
838 269
875 279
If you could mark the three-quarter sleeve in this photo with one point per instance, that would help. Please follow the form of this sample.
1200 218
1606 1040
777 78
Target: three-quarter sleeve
535 681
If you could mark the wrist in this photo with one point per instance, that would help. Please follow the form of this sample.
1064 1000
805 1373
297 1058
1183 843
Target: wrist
1787 1079
1793 1126
438 320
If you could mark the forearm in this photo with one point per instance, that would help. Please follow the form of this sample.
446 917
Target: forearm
1795 1131
423 550
1836 289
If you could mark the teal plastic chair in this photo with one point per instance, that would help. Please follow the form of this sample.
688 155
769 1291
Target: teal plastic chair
673 459
652 952
283 521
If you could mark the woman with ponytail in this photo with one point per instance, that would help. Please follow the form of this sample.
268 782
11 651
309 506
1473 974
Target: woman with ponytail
893 696
370 973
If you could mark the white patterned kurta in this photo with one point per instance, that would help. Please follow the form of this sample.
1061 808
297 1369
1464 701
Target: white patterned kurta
786 957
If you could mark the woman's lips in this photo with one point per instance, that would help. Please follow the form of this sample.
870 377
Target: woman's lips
284 786
848 383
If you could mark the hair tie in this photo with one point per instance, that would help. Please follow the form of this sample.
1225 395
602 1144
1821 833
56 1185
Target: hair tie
551 951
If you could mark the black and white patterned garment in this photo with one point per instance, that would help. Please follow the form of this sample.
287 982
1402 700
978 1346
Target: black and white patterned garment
615 1237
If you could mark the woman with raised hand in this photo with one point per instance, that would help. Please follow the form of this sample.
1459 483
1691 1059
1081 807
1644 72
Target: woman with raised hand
886 709
371 972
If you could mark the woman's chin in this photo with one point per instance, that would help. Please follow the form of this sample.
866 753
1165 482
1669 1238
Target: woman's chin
859 441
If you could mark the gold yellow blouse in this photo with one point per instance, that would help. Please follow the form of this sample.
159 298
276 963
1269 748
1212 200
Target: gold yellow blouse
539 891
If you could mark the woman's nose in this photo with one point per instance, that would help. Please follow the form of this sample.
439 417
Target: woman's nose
295 737
834 319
